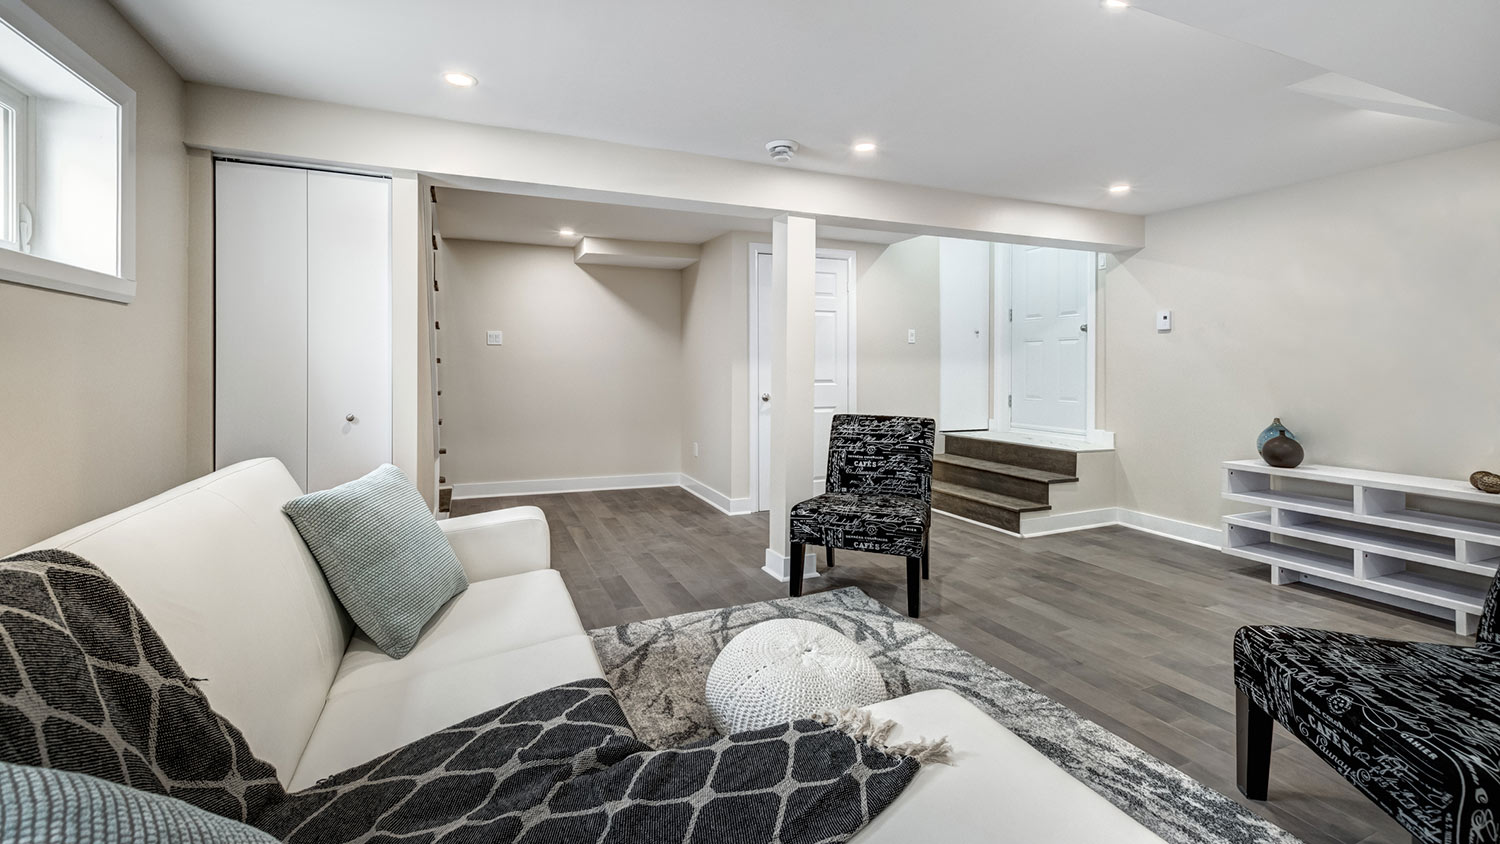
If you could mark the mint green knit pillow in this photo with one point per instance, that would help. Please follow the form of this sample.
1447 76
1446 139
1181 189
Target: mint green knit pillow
383 555
40 806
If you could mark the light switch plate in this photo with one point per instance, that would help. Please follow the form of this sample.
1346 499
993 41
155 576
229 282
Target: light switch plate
911 335
494 338
1163 320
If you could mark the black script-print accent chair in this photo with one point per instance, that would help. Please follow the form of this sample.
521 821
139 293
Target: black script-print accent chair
879 497
1414 726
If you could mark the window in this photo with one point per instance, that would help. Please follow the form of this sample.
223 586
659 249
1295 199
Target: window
67 167
15 168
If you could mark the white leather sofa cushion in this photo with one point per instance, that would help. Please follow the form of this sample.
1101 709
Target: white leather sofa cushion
998 789
235 594
501 614
500 543
361 723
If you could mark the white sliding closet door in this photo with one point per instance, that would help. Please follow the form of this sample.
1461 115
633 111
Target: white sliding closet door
260 323
302 319
349 327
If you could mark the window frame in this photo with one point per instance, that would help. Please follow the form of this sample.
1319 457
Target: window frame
24 268
20 171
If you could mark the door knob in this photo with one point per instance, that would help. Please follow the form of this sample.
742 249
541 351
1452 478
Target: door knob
1084 327
765 396
349 418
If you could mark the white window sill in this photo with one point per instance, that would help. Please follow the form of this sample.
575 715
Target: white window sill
20 268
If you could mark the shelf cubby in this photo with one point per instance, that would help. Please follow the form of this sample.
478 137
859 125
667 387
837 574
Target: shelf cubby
1357 532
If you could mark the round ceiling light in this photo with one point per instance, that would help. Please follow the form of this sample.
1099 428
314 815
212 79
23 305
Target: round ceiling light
459 79
865 146
566 233
1119 189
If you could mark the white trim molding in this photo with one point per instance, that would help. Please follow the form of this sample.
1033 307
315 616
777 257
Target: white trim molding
543 486
1035 525
778 565
546 486
726 505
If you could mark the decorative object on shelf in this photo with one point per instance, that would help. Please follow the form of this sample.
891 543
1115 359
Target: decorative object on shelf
1282 451
1486 482
1271 432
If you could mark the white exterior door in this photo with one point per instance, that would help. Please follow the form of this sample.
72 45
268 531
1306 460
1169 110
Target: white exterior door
832 361
964 341
1050 293
349 327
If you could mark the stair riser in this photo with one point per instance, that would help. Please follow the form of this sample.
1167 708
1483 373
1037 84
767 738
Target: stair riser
977 510
991 481
1032 457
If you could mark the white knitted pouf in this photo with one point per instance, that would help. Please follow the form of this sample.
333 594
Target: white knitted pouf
786 669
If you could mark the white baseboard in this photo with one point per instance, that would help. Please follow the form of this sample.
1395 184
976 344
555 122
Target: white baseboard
778 565
728 506
497 489
1208 537
500 489
1046 524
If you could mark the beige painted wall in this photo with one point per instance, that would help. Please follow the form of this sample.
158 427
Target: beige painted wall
588 382
899 291
95 394
1361 309
710 367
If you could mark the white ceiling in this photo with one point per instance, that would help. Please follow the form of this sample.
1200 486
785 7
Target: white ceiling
480 215
1049 100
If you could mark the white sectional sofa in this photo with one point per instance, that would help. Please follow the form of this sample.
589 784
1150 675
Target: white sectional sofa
231 588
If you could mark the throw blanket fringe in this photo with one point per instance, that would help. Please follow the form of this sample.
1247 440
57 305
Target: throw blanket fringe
859 724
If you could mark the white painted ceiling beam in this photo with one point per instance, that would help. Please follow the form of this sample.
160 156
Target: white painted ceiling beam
635 253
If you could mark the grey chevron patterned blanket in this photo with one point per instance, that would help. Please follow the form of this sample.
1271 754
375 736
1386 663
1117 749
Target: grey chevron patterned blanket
87 686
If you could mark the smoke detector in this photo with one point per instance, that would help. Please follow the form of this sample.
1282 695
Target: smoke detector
782 150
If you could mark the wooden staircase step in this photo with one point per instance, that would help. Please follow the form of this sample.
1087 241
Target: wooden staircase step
1056 460
991 508
1003 478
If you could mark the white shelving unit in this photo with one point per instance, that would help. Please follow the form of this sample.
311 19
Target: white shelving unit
1367 537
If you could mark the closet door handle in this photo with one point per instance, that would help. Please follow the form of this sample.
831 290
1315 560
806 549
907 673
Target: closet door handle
349 418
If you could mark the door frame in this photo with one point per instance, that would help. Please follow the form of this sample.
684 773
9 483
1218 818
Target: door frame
1000 345
752 368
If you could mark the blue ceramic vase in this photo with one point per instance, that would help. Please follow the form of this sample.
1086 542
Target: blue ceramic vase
1272 431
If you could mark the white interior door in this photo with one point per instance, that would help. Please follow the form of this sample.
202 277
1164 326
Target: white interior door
830 358
1050 292
832 362
349 318
964 341
260 321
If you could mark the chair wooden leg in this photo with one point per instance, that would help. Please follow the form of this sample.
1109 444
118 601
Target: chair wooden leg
914 587
1253 729
797 556
926 556
828 552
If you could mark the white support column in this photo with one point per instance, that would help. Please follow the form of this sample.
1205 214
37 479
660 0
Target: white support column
794 249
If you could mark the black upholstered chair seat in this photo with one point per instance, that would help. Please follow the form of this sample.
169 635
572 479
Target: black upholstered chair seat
885 524
879 497
1415 726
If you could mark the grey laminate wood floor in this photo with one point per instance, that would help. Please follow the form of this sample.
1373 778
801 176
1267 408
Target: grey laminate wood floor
1129 629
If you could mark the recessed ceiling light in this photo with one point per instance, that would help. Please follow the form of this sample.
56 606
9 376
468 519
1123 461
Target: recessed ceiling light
865 146
1116 4
1119 189
565 232
460 80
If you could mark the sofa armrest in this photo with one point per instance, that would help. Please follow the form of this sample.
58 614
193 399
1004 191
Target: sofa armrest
998 790
500 543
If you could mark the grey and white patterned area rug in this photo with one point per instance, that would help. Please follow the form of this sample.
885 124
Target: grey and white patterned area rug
658 669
